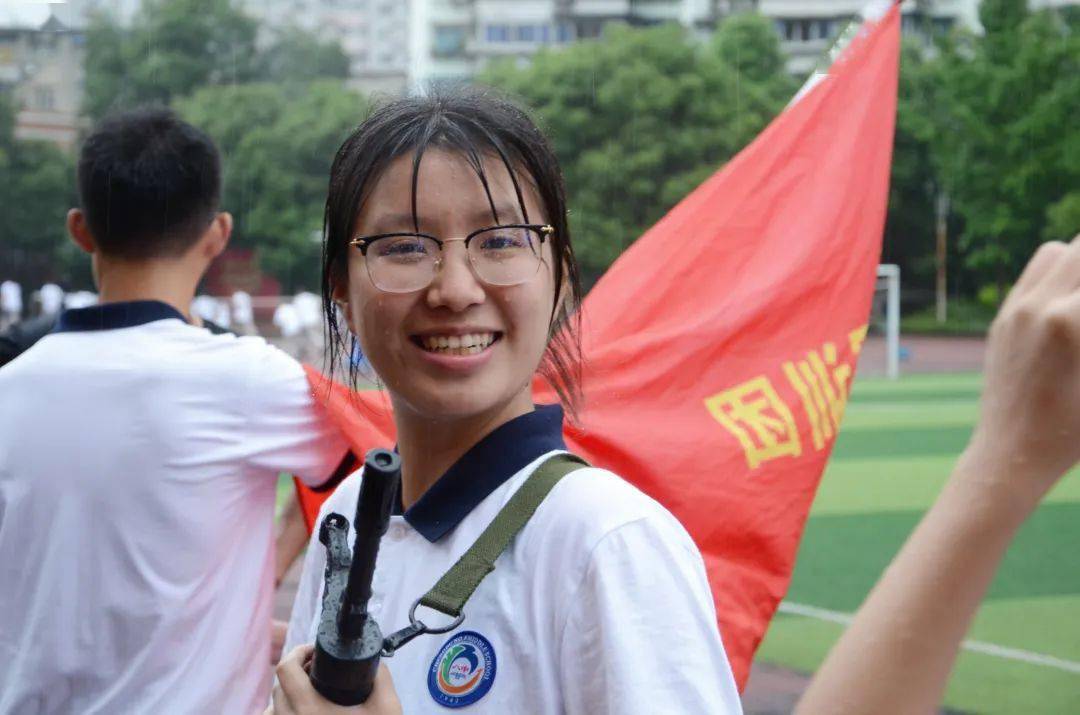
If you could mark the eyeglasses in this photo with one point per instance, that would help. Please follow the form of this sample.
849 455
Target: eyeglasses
499 256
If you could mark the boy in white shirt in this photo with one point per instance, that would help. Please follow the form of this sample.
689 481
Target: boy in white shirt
10 303
139 457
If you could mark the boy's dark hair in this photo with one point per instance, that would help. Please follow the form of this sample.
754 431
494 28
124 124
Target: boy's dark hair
474 123
149 184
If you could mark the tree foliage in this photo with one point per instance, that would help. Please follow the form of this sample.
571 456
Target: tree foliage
914 184
297 55
174 47
277 143
1001 128
642 116
38 181
277 109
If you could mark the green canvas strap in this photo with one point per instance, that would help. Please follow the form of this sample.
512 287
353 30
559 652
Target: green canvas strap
458 584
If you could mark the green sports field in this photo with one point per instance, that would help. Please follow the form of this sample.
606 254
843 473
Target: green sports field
896 446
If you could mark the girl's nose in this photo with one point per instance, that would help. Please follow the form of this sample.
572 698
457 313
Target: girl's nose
455 285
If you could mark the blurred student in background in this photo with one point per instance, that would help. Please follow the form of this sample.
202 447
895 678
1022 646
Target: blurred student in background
139 456
11 304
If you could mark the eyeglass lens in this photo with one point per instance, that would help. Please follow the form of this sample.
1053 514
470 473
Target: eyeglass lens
499 256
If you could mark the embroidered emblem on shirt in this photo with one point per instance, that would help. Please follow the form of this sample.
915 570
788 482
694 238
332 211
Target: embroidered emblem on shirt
463 670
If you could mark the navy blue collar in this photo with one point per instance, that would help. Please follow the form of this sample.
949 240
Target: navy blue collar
483 469
109 316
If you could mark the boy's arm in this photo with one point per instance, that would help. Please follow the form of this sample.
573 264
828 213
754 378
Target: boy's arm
286 429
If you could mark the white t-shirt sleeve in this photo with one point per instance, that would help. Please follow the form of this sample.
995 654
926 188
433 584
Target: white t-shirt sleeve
287 430
641 633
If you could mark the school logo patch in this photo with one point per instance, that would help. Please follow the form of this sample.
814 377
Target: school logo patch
463 670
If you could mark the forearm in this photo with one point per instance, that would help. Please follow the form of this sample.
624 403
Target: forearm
911 625
291 538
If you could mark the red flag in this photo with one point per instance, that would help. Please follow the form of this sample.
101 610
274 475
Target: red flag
719 349
365 418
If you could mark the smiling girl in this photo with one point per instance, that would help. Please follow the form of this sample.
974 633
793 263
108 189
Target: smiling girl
448 253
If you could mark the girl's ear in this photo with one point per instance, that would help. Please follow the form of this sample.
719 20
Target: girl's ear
340 296
563 303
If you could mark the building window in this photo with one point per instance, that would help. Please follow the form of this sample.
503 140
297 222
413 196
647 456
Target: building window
564 32
591 28
533 33
806 30
449 41
497 33
943 25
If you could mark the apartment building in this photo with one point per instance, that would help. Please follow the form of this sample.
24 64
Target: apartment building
41 71
451 40
373 33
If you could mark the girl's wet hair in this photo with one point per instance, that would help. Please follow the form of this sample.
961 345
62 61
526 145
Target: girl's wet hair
476 124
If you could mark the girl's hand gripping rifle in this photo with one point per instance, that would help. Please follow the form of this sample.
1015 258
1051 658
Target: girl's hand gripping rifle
349 642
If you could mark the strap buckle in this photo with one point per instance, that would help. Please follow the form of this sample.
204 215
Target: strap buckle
415 628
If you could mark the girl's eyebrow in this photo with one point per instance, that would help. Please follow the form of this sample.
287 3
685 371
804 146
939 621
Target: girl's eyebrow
387 223
505 212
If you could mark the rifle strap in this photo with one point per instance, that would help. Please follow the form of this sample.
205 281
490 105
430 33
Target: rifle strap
449 595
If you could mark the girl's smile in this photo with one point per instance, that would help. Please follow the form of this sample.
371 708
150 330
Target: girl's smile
457 349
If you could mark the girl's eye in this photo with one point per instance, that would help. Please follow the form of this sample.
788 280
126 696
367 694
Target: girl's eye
404 247
504 239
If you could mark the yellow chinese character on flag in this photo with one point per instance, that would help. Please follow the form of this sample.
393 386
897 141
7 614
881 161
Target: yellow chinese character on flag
823 386
758 418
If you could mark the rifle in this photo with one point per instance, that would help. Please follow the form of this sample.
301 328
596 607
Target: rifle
349 643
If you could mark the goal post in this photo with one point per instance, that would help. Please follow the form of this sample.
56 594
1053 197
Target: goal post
885 315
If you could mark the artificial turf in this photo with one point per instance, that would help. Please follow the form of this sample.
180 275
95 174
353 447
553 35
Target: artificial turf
896 446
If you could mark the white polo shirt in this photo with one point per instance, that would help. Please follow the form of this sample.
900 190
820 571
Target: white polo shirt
599 605
138 464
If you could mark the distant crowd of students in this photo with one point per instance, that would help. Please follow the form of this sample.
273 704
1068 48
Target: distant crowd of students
295 323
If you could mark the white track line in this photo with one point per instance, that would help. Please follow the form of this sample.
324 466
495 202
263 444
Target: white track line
1025 656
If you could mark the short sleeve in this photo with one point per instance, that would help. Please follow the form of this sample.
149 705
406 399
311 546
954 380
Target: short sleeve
641 634
287 431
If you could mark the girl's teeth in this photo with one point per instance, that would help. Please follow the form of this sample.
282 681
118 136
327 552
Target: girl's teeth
469 344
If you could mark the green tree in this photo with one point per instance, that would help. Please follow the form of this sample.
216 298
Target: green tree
914 182
1005 143
642 116
172 48
38 189
297 55
277 143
